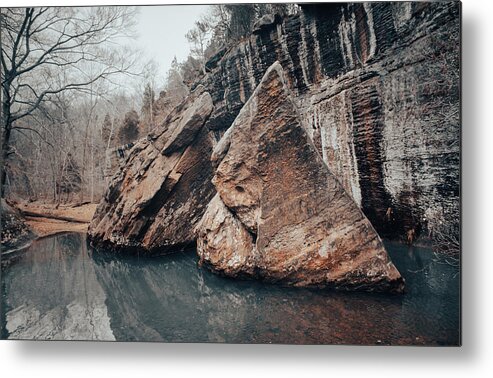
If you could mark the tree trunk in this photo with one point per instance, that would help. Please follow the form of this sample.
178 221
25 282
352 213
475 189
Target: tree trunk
6 130
39 214
92 166
151 125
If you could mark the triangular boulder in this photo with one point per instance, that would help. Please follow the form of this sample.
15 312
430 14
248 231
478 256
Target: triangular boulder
280 215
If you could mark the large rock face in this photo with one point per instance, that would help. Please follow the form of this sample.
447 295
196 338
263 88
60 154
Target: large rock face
377 85
280 214
154 202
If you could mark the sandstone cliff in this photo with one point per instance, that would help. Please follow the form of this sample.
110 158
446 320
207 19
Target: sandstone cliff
378 88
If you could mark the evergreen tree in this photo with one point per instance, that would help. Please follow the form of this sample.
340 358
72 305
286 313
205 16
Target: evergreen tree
129 131
147 111
106 131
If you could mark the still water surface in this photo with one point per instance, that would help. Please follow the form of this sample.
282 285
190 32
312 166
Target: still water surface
63 290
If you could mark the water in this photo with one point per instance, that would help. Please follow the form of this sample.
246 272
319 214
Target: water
61 289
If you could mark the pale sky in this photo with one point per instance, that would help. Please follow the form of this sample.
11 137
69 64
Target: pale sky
161 32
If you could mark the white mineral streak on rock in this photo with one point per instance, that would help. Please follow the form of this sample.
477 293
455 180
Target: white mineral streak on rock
282 37
249 64
318 60
352 162
402 12
346 27
371 27
304 54
337 146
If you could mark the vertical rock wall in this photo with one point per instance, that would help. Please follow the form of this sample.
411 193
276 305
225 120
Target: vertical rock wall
378 87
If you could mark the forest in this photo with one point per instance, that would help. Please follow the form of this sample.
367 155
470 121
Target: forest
72 93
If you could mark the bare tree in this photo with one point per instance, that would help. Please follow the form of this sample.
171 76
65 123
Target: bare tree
221 19
46 51
107 134
198 37
229 22
175 86
147 111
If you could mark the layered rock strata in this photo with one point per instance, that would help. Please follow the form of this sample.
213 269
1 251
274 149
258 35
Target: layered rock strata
161 191
279 214
377 85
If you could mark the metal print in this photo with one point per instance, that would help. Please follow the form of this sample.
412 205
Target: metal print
252 173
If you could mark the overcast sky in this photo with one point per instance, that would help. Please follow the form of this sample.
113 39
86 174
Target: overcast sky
161 32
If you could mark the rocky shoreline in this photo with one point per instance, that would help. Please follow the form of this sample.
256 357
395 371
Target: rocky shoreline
302 145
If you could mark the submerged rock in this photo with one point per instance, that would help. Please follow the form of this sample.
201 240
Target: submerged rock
280 215
154 202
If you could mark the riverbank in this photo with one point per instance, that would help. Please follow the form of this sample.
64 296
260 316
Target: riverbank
46 219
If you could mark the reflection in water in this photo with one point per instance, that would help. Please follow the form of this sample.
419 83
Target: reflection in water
52 293
60 289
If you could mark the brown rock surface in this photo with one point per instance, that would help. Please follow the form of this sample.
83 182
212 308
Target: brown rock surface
190 122
154 202
224 243
280 215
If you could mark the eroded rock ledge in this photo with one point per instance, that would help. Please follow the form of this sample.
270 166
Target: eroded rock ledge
279 213
154 202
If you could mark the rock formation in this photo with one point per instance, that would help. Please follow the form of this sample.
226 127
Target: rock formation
154 202
377 85
279 213
15 232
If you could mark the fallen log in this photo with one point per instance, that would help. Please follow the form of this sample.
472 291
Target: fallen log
33 214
